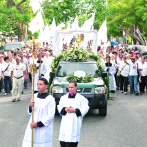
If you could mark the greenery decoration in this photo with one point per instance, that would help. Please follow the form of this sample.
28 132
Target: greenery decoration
78 55
86 79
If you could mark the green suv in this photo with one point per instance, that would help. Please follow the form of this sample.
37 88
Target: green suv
95 92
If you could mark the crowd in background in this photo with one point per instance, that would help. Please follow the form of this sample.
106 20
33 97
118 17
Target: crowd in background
15 68
126 67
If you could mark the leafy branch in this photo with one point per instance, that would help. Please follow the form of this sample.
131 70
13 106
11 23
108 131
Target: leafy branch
87 79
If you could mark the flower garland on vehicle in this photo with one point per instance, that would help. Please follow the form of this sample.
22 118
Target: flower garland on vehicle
87 79
77 55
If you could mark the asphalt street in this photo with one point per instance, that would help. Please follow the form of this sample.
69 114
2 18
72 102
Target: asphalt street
124 125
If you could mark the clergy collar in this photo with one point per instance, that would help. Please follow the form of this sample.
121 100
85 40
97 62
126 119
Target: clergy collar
72 95
42 95
39 61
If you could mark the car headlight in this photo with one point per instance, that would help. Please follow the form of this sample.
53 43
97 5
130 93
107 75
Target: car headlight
57 89
99 90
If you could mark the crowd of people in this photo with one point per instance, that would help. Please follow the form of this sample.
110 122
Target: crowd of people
15 69
126 68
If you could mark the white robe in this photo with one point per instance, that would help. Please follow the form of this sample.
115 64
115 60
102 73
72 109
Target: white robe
112 83
48 62
42 71
44 111
71 124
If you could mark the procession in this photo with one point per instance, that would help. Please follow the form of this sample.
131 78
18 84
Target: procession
73 73
126 68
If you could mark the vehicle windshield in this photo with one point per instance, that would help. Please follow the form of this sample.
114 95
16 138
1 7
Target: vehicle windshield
12 46
64 70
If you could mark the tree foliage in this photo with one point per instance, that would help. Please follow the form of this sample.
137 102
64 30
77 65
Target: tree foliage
36 34
69 9
12 13
130 15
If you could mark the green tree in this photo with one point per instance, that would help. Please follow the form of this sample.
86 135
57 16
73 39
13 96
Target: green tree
36 34
67 10
130 15
14 15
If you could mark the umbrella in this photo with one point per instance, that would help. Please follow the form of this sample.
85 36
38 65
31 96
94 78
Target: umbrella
113 43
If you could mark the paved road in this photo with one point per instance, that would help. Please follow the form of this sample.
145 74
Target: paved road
124 125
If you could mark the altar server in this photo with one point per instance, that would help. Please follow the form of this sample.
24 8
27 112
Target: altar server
72 107
44 111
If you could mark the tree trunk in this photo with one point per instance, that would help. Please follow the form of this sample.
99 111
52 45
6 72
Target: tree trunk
10 4
135 33
23 29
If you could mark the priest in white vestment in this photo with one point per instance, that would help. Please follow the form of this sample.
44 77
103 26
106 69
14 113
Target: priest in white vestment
72 107
44 111
111 70
83 44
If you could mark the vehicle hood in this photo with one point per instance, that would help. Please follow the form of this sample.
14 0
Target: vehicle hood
61 81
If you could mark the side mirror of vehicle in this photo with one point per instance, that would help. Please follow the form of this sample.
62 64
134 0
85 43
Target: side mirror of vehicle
52 74
104 74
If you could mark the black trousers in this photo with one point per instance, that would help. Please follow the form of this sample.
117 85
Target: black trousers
123 83
142 84
68 144
1 84
30 77
7 83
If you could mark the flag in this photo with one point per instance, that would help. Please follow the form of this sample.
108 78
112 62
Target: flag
88 24
75 25
37 23
35 4
60 26
52 28
41 36
102 33
47 33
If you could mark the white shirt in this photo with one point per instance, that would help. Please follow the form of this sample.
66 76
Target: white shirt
0 70
13 61
7 66
124 68
25 61
144 68
18 70
133 69
119 62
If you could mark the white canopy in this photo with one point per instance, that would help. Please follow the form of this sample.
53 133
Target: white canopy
65 36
